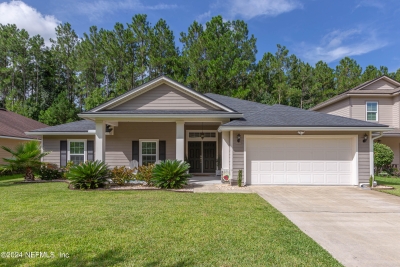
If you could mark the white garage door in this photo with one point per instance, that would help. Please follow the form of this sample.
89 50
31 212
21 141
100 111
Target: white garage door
301 160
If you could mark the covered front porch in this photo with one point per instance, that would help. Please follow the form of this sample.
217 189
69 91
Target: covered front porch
138 142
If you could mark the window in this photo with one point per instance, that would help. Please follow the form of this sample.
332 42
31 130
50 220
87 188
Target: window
372 111
77 151
149 151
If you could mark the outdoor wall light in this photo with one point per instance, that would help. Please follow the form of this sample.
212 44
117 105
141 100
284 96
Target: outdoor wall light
365 138
238 138
301 132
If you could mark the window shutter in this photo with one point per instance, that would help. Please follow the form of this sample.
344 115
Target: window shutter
90 150
63 153
135 150
162 150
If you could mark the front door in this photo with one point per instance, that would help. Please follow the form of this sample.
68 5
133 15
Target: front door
194 157
209 160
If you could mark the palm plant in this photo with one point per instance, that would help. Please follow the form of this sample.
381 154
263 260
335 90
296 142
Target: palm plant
171 174
25 156
88 175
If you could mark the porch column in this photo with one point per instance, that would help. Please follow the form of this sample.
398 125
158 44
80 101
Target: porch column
231 154
371 154
225 151
100 142
180 137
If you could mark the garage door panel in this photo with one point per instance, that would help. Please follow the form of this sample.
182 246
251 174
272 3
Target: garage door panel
344 167
265 166
305 166
278 178
292 178
305 179
292 166
332 179
318 178
331 167
265 179
278 166
300 160
318 166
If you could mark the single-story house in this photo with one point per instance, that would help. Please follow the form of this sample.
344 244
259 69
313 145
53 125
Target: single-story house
12 130
163 119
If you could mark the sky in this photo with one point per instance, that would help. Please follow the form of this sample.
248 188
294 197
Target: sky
365 30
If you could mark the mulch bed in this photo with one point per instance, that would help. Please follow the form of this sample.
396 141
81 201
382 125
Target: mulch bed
42 181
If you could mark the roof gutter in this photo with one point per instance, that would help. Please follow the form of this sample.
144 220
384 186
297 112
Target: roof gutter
160 116
17 138
60 133
299 128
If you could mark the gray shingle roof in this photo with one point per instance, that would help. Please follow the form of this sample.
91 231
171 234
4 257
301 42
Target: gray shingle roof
76 126
254 115
284 116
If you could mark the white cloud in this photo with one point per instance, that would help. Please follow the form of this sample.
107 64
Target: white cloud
203 16
338 44
371 3
253 8
96 9
28 18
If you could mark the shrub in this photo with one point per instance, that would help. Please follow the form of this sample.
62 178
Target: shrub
145 173
383 156
120 175
25 156
66 168
240 177
50 172
171 174
89 175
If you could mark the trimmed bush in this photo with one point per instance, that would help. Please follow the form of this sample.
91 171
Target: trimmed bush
383 156
121 175
145 174
50 172
171 174
88 175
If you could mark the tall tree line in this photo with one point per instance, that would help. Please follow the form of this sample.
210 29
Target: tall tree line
53 84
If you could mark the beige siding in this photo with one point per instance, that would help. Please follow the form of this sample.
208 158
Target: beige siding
51 143
340 108
394 144
119 145
385 105
381 84
396 112
163 97
11 143
363 151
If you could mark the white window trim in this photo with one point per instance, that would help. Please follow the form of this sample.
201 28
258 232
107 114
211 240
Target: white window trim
377 110
84 145
140 148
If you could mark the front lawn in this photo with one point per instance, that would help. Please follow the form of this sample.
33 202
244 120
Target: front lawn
148 228
391 181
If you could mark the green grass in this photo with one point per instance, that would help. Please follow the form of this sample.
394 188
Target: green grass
148 228
391 181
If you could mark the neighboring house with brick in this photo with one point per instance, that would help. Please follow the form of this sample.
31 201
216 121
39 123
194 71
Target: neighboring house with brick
163 119
12 130
376 101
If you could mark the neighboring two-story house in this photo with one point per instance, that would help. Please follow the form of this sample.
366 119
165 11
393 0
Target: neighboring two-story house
378 101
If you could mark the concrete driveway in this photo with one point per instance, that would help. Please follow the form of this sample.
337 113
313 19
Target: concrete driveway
358 227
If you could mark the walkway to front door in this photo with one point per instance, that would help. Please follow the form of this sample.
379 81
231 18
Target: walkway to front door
202 156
